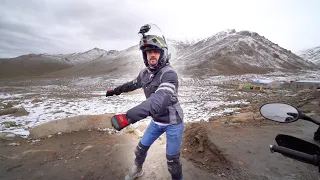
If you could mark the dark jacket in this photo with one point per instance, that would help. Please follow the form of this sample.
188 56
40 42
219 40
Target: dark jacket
161 91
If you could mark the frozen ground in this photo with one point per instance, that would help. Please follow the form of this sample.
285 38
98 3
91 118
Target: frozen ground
48 108
61 98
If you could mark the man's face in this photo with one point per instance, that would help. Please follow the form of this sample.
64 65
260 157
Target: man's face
153 57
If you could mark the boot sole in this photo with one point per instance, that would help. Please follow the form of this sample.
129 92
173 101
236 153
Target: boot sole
141 174
138 175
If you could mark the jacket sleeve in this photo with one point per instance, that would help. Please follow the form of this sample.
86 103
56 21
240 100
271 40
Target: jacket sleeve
158 102
129 86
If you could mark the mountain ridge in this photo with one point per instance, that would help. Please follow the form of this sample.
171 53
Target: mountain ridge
225 53
311 54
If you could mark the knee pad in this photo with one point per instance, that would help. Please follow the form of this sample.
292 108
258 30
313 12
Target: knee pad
174 166
141 153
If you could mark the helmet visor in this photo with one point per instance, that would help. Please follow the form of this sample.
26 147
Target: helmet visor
150 29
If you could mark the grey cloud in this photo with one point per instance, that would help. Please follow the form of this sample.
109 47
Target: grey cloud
65 26
113 21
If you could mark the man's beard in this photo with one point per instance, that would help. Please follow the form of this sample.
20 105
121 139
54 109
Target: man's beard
153 66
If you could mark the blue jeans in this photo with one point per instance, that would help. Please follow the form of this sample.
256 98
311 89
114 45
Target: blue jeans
173 133
174 141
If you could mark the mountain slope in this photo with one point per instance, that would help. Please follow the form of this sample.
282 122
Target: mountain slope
231 52
127 60
95 53
312 54
127 63
38 64
30 65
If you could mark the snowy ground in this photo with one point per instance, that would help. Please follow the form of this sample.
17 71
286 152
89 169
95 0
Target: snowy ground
86 96
51 108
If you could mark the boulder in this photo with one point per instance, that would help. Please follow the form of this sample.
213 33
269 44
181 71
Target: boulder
8 111
15 111
67 125
21 112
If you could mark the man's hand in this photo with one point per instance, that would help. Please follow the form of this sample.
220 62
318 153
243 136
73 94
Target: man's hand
120 121
110 93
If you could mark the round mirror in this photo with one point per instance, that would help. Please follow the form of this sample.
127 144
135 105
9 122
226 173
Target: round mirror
279 112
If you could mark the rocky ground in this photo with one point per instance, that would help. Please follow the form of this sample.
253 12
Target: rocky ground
230 146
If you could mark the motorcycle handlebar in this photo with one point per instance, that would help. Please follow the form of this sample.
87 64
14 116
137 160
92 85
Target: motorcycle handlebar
297 155
308 118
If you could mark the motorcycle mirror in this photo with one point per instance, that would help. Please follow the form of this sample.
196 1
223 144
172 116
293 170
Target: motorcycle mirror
279 112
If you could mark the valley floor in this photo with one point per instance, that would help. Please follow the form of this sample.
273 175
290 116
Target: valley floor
232 145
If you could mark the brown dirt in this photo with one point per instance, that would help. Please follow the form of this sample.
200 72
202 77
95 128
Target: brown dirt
210 150
86 155
201 151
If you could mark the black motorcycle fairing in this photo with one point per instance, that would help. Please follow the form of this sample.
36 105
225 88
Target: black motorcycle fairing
297 144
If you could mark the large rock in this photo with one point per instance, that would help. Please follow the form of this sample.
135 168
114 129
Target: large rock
8 111
21 112
67 125
15 111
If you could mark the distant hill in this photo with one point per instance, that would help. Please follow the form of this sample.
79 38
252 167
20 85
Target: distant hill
38 64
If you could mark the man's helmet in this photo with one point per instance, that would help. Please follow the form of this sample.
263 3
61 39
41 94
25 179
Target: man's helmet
153 38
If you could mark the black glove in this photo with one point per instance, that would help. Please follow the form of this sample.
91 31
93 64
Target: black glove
112 92
120 121
109 93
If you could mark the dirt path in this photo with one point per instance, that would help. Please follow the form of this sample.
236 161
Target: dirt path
99 155
248 149
86 155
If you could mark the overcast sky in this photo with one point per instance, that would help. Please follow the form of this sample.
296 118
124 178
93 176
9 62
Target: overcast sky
67 26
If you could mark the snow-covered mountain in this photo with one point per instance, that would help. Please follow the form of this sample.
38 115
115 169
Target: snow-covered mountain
231 52
37 64
126 63
312 54
89 55
80 58
225 53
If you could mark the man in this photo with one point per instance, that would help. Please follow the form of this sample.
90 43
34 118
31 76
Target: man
160 84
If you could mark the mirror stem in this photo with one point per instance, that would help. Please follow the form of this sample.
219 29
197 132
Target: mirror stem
305 117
